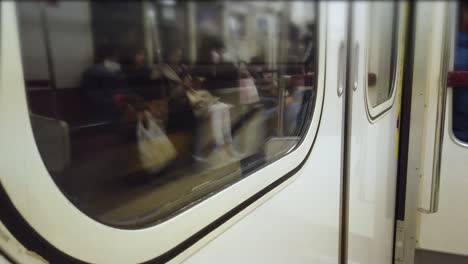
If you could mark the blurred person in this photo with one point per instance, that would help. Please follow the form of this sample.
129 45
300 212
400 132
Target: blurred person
102 82
105 87
294 95
138 76
136 68
206 108
181 115
264 78
309 43
248 91
214 65
294 92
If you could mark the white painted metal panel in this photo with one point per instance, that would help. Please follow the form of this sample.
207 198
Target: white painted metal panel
373 153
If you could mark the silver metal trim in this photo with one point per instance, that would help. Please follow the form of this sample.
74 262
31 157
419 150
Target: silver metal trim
281 105
283 55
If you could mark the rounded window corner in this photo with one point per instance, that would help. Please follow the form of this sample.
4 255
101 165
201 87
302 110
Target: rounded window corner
381 100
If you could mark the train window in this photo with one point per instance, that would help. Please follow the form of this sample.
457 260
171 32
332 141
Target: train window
460 94
141 109
381 58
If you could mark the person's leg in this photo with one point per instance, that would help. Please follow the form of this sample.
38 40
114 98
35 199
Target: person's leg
216 116
227 130
197 145
221 128
226 122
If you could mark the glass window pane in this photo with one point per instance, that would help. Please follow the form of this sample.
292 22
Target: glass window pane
460 94
381 51
143 108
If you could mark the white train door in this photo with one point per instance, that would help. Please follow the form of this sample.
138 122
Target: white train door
375 80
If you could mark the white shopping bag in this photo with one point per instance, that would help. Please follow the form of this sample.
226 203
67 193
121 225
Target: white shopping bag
248 91
155 149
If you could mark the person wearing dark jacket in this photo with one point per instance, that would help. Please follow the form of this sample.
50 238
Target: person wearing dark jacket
102 83
138 76
213 68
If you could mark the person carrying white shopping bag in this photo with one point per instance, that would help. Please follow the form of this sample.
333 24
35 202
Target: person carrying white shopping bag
155 149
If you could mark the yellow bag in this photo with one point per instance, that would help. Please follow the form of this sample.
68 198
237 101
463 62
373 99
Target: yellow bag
201 100
155 149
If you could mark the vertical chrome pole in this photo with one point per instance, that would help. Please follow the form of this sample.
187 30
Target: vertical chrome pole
284 47
148 23
191 11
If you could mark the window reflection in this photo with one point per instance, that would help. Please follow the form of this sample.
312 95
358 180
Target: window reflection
156 104
381 58
460 94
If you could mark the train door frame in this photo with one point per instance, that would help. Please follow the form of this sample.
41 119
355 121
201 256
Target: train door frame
406 187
